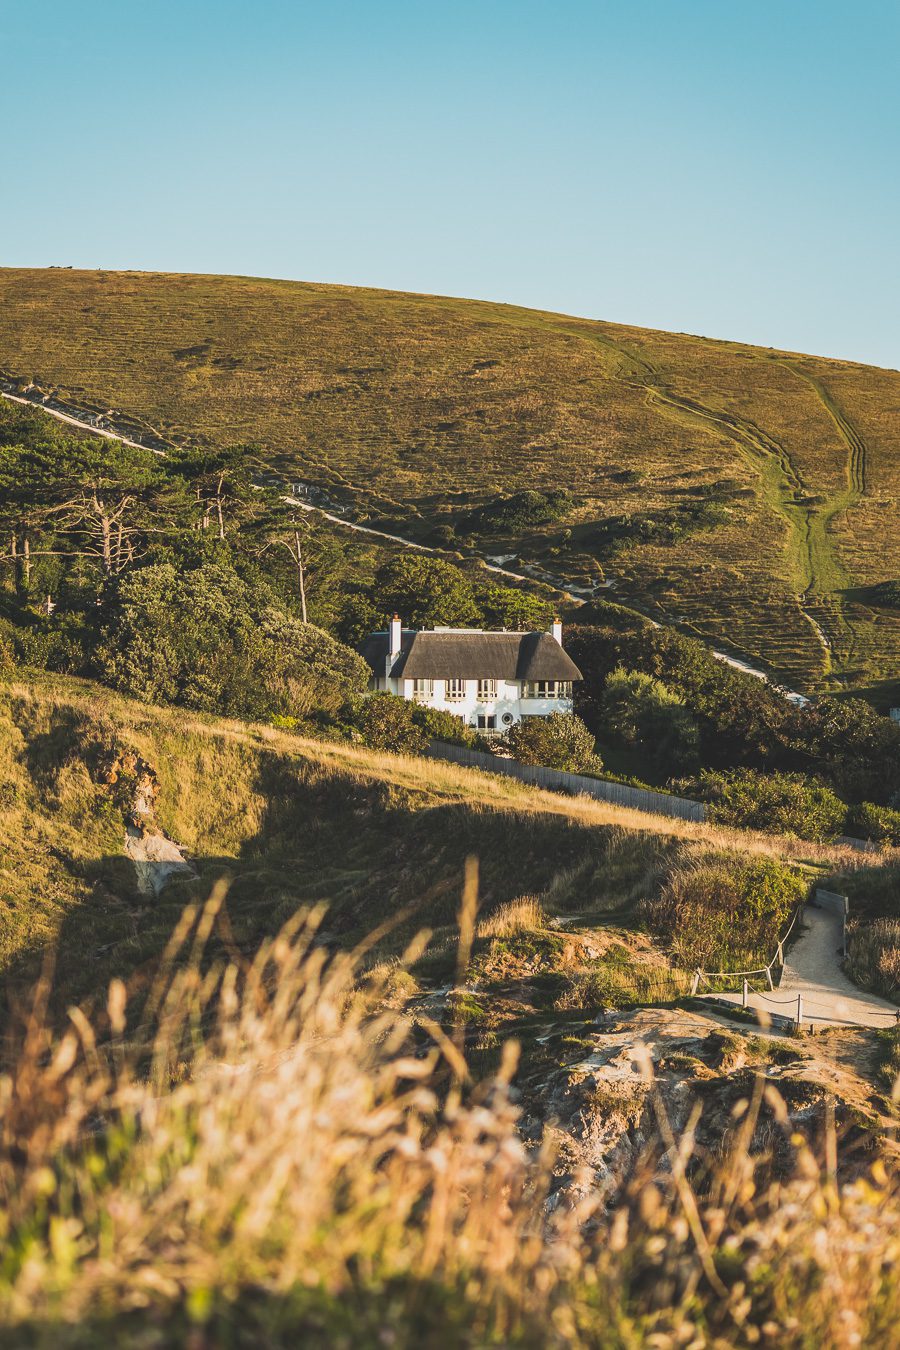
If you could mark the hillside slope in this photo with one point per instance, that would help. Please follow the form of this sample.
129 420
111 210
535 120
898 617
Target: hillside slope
758 487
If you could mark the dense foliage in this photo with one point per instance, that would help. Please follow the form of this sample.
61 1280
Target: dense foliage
205 639
516 512
557 742
726 914
779 803
741 720
642 713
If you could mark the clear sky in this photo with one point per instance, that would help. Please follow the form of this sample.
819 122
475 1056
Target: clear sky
725 167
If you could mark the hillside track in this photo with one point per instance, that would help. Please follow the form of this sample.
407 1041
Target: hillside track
786 495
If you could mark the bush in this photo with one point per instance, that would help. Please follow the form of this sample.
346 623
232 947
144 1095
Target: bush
885 593
873 955
560 741
440 725
387 722
878 823
520 511
779 803
723 913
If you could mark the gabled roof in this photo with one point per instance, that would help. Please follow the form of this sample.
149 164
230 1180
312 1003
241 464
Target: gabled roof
472 655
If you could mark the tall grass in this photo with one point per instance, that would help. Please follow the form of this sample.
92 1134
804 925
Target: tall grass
873 955
272 1156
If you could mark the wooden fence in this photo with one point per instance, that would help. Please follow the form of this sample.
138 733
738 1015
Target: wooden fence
639 799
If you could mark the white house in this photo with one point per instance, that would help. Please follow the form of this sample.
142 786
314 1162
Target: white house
489 679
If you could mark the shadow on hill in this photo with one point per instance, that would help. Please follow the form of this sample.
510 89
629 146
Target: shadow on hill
370 851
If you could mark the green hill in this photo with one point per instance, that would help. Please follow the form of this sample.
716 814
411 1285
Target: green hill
747 493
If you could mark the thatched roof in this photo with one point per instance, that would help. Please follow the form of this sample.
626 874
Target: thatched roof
471 655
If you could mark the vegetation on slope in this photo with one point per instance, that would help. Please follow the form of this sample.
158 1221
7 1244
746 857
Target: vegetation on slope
420 409
296 822
305 1164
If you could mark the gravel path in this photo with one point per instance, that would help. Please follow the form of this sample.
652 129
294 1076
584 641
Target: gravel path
813 972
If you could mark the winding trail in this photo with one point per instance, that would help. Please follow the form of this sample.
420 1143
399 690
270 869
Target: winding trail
813 974
575 595
820 577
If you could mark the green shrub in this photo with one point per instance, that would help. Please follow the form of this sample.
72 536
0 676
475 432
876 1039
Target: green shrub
885 593
723 913
440 725
878 823
206 639
519 511
780 803
387 722
560 741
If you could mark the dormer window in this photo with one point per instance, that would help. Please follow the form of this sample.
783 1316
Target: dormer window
456 690
487 690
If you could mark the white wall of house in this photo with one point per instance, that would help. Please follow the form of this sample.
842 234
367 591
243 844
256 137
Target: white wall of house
507 701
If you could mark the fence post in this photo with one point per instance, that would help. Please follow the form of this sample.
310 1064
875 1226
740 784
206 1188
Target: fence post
799 1011
780 953
695 983
769 977
744 996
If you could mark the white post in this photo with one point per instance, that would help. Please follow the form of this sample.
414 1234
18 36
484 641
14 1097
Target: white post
744 995
695 982
769 977
799 1010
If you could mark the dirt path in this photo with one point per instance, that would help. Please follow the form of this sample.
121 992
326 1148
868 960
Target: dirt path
83 425
813 974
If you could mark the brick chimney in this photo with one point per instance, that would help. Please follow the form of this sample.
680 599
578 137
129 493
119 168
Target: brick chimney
556 630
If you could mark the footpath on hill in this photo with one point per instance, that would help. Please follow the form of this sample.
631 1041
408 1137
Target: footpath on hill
813 974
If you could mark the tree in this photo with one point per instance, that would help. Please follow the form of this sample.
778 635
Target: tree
507 607
643 713
387 722
426 591
559 741
780 803
206 639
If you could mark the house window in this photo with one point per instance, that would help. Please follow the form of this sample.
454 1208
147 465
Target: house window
487 722
423 689
548 689
487 690
456 689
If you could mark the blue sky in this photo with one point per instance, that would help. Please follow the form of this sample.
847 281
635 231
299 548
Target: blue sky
725 167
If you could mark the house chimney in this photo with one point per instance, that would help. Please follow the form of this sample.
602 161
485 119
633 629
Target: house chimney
556 630
395 637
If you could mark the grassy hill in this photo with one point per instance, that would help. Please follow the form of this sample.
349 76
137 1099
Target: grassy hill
264 1141
377 838
748 493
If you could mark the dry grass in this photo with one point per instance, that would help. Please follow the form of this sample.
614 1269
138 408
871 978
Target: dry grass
873 955
516 916
273 1157
295 823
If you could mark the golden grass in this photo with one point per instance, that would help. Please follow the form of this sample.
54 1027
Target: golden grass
274 1157
516 916
205 783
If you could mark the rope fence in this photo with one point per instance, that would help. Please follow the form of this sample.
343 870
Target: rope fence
838 904
707 976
